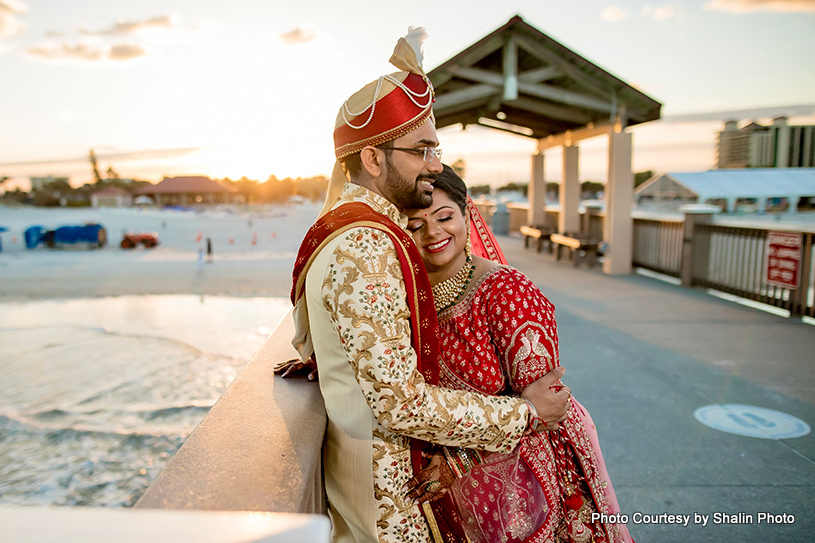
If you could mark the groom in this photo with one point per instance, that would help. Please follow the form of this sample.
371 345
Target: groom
364 307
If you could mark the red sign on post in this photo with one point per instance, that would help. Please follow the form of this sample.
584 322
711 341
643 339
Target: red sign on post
783 260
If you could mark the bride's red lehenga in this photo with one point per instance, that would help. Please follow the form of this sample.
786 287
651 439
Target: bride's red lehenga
500 338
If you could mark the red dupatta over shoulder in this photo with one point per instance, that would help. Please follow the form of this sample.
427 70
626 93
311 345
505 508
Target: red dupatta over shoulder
423 323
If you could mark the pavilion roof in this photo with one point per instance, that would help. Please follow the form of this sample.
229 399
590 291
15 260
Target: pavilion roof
520 80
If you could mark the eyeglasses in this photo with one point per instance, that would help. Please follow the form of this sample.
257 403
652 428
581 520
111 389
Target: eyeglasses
427 153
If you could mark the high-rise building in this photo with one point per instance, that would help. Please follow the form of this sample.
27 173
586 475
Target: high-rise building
757 146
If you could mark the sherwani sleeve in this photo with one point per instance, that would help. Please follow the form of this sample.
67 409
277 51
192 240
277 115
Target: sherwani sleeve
364 293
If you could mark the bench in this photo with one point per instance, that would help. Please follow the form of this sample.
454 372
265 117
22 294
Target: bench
540 234
579 246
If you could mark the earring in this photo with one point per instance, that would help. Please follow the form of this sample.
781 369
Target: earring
468 249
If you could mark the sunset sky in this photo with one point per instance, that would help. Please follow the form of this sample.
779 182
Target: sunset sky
250 88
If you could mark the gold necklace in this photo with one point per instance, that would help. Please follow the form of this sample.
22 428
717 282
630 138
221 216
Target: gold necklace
450 291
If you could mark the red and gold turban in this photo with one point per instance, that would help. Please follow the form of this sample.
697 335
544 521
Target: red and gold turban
383 110
389 107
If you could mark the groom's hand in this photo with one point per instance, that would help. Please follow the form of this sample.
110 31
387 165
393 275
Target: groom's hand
550 398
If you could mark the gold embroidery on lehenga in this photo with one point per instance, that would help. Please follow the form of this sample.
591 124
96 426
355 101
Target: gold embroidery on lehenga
532 357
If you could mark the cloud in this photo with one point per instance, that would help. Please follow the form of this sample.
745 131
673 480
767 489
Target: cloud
747 6
614 14
67 51
86 52
126 51
751 113
146 154
298 35
10 25
659 13
132 27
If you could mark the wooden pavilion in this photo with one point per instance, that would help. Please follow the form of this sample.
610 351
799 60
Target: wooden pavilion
518 79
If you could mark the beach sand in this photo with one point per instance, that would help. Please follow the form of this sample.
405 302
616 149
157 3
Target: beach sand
254 250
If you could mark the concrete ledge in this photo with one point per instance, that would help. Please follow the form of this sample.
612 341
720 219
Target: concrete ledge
98 525
259 447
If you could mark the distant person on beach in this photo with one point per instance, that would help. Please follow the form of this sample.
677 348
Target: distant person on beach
200 260
364 308
498 334
210 258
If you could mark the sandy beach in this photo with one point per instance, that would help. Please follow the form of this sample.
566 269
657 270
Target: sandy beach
254 250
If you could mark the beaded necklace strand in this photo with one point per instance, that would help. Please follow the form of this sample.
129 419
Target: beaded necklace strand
450 291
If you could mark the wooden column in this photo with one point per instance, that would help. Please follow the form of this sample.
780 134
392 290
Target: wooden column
537 193
619 225
569 195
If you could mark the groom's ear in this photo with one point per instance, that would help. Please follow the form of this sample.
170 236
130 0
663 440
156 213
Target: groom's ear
370 158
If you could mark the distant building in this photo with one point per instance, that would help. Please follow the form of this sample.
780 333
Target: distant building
187 191
37 183
757 146
766 190
111 197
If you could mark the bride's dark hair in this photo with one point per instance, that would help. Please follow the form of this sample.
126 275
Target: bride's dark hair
453 186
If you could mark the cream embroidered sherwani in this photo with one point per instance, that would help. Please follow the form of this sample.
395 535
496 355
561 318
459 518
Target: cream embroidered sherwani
375 397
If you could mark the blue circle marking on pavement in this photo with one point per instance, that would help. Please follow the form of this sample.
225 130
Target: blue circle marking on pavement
751 421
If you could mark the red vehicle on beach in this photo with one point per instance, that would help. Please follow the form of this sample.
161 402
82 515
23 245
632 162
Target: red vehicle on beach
131 241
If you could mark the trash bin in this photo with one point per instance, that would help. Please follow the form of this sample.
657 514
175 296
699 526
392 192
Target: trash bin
500 220
33 236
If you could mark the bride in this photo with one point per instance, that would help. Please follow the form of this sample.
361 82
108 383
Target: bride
498 334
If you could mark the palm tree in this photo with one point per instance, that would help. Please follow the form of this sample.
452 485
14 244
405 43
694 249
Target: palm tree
92 157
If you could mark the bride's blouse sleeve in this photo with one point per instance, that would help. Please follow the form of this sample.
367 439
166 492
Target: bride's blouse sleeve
523 328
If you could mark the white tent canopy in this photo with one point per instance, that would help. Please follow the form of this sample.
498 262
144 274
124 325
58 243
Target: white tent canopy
761 185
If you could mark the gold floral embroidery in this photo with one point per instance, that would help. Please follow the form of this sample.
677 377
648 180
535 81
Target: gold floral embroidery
364 293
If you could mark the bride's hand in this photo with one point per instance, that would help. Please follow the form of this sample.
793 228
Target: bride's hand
432 482
550 398
296 366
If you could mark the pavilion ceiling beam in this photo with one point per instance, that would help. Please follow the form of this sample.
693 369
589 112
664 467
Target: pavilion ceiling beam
464 107
571 98
540 129
551 58
468 59
548 110
468 94
572 136
464 118
539 75
547 92
505 127
478 75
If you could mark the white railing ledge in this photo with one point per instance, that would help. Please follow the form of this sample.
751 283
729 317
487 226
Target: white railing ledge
98 525
259 447
700 208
